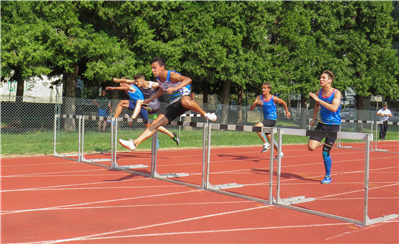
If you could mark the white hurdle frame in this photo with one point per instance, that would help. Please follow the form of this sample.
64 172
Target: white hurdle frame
67 116
344 135
93 118
218 188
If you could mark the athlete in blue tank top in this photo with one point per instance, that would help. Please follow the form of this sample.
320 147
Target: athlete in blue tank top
268 103
328 102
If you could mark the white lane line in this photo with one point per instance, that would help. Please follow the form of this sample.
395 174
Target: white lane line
49 173
89 237
361 229
96 202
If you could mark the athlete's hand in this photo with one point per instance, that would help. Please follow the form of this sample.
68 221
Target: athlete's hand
314 96
312 122
115 80
108 88
288 114
258 101
170 90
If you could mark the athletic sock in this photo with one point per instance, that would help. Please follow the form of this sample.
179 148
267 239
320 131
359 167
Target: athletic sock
327 163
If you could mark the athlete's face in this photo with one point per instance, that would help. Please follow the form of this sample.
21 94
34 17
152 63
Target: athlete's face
156 69
265 90
140 82
325 80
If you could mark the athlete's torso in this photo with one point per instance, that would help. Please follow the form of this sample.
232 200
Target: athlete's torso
326 116
176 95
269 108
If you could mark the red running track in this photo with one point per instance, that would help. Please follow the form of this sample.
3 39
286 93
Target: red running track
54 200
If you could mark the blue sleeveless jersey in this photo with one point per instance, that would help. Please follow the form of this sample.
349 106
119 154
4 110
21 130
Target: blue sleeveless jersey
269 109
176 95
137 95
326 116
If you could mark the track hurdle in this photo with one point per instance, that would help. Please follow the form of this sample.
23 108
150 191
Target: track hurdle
114 164
219 188
376 136
169 177
343 135
353 121
57 130
97 119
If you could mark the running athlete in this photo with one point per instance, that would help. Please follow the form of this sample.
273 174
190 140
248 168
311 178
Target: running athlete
135 94
268 103
180 101
328 102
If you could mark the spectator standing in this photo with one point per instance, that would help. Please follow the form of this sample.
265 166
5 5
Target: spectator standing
384 113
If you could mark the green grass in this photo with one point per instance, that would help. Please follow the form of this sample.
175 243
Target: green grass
41 143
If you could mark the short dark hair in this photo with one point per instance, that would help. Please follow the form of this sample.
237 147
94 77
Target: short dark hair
268 85
139 76
330 74
158 60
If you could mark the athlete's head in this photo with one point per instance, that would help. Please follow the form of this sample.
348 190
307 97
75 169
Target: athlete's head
140 79
157 66
327 77
266 88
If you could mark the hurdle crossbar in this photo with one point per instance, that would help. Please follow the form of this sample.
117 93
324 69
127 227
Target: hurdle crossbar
219 188
343 135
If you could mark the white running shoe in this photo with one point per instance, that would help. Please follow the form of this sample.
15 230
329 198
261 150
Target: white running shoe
276 158
265 148
126 116
211 116
127 144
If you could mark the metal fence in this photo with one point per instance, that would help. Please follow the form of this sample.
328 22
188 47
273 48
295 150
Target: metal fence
18 117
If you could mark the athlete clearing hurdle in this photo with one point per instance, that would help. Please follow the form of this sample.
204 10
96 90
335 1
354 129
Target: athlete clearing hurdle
268 103
328 101
179 95
135 95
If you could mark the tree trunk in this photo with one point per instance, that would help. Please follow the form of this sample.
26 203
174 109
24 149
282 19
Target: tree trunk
205 86
225 97
304 114
360 108
240 107
70 91
19 99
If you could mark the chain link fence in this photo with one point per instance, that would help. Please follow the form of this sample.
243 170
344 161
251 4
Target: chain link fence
23 122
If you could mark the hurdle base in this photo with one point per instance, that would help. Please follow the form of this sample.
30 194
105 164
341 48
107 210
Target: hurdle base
294 200
170 175
381 219
136 166
344 147
380 150
223 186
64 156
94 160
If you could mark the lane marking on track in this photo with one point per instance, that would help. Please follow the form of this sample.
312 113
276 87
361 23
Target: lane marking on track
97 236
362 229
49 173
88 203
196 232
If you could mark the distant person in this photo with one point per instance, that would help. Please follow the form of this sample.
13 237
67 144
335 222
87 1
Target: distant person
268 103
328 102
385 113
103 103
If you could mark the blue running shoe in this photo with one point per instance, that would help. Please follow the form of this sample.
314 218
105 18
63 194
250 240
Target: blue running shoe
327 180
